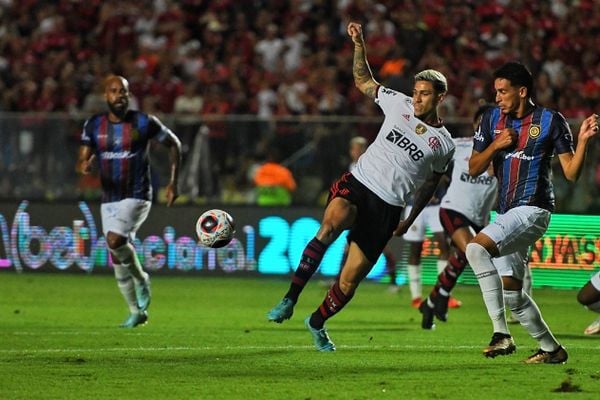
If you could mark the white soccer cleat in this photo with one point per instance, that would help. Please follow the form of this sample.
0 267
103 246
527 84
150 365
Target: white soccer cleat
593 328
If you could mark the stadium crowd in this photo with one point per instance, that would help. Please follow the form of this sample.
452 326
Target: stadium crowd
276 58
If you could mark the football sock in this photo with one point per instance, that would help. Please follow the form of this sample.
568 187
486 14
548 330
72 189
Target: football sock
527 282
126 286
390 266
414 280
490 284
334 301
441 265
309 263
448 277
527 312
127 257
594 307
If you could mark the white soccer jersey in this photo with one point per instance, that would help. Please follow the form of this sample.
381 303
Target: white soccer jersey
404 153
473 197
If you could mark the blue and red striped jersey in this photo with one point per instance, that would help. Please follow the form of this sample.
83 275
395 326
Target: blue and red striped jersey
122 153
523 170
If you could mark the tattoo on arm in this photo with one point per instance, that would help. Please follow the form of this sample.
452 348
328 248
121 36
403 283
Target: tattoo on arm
362 73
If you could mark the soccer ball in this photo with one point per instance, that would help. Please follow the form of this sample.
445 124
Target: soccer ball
215 228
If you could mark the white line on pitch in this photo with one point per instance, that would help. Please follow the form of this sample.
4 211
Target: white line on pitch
242 348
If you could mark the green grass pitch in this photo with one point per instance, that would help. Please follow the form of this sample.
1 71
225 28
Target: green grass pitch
208 338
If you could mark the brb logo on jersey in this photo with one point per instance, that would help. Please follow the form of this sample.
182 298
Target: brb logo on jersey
405 144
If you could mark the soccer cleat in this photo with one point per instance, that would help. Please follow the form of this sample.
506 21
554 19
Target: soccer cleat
427 320
558 356
135 319
500 345
142 293
593 328
281 311
416 302
440 307
454 302
320 337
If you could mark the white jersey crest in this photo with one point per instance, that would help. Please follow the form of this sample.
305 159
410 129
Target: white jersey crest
473 197
405 152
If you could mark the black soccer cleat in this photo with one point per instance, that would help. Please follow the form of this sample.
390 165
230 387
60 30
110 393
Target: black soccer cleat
427 319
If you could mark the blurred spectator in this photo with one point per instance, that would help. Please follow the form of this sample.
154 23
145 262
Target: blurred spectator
274 182
51 53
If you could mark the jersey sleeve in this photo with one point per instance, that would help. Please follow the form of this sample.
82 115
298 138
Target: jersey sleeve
442 164
157 130
87 137
388 99
561 134
484 135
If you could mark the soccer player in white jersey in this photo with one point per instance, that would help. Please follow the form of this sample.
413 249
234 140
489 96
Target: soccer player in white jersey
409 155
461 217
589 296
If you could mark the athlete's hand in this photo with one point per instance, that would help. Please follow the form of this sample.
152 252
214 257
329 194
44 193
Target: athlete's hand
589 127
172 194
505 139
85 166
402 227
355 31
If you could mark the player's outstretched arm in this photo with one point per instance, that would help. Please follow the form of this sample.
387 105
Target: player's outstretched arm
363 77
572 163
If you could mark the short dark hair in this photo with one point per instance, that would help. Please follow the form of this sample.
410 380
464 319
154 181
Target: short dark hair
517 74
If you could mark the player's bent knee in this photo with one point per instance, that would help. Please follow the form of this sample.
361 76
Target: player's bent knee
476 254
123 253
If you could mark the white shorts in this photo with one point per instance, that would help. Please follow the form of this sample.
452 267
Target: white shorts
124 217
429 217
596 281
514 232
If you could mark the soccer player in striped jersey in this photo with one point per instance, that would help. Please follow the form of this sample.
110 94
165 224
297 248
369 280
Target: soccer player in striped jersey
409 155
119 141
520 138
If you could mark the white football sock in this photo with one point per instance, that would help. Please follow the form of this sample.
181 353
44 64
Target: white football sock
127 256
490 284
527 312
414 281
126 286
527 282
441 266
